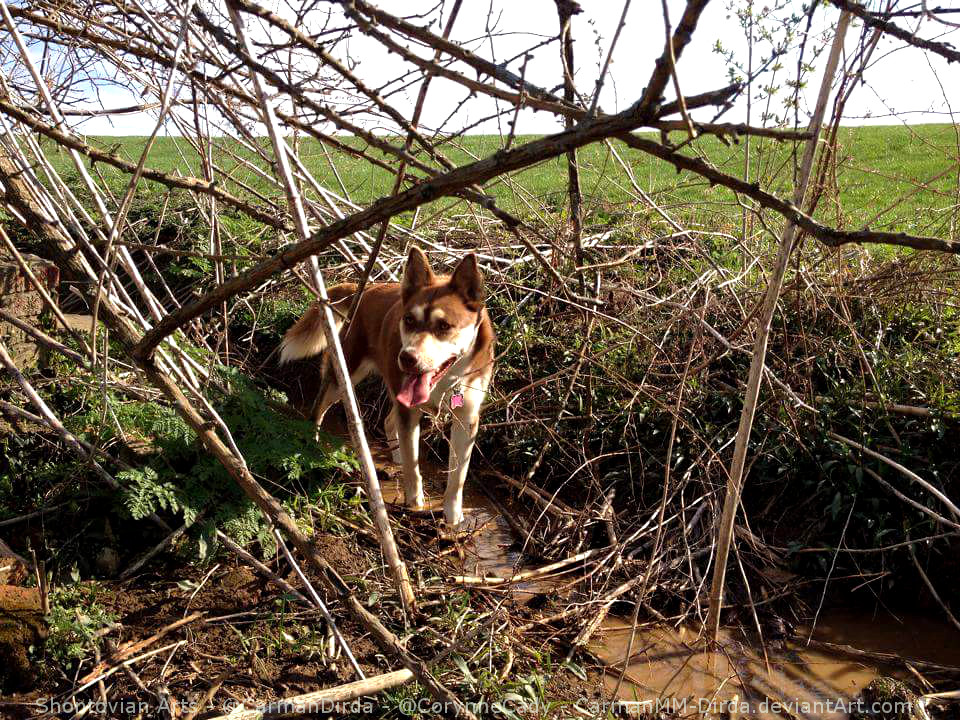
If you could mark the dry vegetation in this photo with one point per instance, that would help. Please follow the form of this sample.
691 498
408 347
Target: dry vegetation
757 351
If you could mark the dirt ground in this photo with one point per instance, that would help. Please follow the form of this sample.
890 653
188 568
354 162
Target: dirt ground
240 639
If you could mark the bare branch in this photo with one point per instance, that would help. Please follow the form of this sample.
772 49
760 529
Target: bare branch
877 20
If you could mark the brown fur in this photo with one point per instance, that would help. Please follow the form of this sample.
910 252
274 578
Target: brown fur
373 342
305 338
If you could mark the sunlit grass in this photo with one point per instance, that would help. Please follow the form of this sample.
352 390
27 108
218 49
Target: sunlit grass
895 177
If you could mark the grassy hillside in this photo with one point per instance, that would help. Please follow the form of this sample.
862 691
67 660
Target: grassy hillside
892 177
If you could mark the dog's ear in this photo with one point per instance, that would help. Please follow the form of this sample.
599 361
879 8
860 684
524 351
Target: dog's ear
416 274
467 281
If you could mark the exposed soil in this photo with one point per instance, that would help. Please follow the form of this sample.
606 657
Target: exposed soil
258 644
253 645
21 627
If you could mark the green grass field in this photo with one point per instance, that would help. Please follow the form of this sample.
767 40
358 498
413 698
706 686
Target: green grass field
895 177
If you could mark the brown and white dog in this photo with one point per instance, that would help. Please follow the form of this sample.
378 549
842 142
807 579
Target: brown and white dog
430 339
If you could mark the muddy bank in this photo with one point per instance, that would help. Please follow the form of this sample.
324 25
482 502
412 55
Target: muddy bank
22 628
260 647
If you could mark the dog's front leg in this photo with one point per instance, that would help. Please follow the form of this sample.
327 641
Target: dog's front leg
463 435
407 421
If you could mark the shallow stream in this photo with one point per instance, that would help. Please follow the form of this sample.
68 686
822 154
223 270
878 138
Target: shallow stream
669 668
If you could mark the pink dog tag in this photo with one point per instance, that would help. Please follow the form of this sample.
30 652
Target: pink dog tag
456 400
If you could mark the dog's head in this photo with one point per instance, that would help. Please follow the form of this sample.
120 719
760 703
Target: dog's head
439 322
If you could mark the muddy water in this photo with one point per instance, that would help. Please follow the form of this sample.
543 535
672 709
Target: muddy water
668 667
492 549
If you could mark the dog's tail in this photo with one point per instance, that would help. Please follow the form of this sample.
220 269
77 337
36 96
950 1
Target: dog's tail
305 338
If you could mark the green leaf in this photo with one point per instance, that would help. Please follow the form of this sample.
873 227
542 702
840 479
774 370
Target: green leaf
462 666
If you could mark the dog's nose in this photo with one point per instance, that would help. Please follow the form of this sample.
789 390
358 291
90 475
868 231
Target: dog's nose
408 361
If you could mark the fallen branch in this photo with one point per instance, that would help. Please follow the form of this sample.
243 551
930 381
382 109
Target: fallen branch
126 663
123 332
321 605
494 581
771 297
124 652
550 504
263 569
910 501
933 591
451 182
158 548
354 421
96 155
322 701
72 441
824 233
881 657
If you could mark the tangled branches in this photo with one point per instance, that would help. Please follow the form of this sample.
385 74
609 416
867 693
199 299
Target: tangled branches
292 152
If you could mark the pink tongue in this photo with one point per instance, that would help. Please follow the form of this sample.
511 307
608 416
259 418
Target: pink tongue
415 389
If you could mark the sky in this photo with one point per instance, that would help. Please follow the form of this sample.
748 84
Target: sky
902 85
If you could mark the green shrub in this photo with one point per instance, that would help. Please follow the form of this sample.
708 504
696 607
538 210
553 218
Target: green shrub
180 477
76 615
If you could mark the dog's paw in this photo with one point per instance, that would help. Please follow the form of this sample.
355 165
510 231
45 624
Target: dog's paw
453 512
454 522
417 503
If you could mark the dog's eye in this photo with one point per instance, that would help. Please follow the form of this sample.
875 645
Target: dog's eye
409 320
442 326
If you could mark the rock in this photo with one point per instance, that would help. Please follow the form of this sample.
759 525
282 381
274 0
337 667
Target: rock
22 626
887 699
